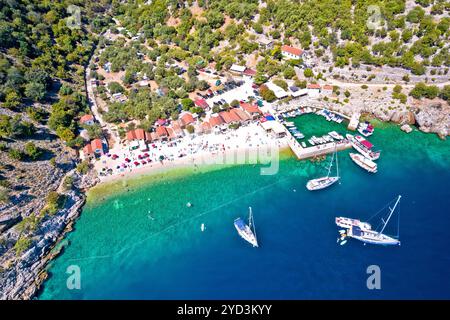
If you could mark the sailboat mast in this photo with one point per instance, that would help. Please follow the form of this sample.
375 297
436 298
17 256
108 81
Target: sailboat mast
331 164
251 222
390 215
337 165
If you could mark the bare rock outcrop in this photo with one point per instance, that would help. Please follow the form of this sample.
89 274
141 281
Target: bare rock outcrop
433 116
21 275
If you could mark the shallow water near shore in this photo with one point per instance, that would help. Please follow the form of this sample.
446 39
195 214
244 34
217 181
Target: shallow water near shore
146 243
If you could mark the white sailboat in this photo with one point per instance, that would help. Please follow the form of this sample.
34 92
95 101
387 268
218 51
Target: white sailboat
324 182
363 231
247 232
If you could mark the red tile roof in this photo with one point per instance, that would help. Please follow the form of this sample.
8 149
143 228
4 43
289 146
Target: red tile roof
249 72
250 108
97 145
327 87
171 133
201 103
187 119
313 86
206 126
292 50
176 125
131 135
161 131
234 117
215 121
226 116
177 128
154 136
87 150
242 115
86 118
140 134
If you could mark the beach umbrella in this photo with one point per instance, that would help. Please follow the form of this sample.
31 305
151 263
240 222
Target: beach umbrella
161 157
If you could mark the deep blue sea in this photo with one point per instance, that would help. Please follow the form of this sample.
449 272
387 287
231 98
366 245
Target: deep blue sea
146 243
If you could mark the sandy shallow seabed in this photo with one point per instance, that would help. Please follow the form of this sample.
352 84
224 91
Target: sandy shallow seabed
199 163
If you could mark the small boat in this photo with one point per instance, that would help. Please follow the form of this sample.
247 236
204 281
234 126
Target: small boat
324 182
366 129
343 242
247 232
363 231
202 227
188 204
290 124
363 146
341 231
328 138
335 135
363 162
312 142
303 144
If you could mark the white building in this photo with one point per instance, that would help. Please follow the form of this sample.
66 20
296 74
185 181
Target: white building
237 68
289 52
279 92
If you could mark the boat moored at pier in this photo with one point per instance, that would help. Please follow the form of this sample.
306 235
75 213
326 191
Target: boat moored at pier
363 146
363 162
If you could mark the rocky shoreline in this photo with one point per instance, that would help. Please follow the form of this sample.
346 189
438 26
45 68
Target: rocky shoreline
23 280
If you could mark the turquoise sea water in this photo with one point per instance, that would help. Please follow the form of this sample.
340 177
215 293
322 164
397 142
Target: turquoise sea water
146 243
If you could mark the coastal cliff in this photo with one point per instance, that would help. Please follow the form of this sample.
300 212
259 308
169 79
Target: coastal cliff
21 275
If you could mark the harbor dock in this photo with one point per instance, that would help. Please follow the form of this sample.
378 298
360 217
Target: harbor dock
315 151
354 122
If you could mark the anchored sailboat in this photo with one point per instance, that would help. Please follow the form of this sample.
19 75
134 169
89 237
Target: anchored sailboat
247 232
324 182
363 231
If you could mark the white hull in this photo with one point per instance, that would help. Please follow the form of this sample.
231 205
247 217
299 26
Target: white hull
362 149
245 230
364 163
365 152
248 236
362 231
321 183
365 134
336 135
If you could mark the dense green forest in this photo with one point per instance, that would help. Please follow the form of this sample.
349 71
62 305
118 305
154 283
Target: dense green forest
200 33
43 52
43 56
340 26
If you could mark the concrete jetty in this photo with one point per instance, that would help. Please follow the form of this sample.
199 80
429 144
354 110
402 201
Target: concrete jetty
354 122
315 151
